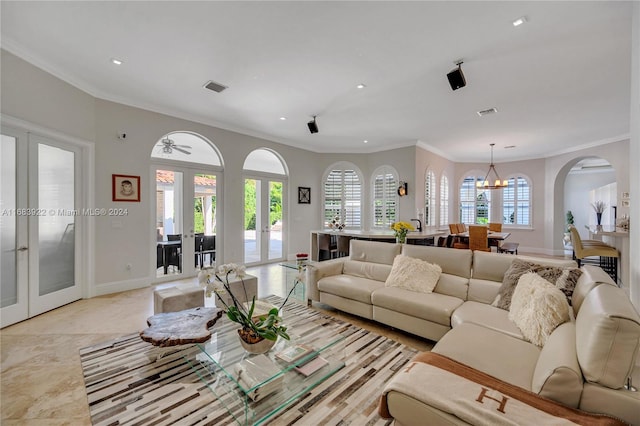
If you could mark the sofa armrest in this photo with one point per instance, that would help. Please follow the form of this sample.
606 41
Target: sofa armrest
318 270
557 374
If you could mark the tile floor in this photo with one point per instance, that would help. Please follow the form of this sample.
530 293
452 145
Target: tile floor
41 380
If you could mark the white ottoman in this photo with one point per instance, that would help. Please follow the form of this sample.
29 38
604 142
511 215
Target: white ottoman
178 298
235 284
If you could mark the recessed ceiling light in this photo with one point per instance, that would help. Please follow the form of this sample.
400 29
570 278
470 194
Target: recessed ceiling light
283 118
366 141
521 20
361 86
116 61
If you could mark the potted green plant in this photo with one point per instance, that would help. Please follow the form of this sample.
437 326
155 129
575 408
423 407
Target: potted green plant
258 332
567 234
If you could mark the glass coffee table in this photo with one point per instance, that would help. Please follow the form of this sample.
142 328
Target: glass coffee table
291 271
222 364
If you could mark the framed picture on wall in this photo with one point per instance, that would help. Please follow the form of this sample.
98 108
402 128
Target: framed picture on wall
304 195
125 188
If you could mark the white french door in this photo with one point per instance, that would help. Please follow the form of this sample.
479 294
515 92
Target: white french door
40 225
263 220
185 221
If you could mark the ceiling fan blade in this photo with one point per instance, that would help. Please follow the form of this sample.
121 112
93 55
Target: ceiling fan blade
183 146
181 150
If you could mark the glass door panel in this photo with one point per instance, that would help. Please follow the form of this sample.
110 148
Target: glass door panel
204 219
186 208
252 221
56 232
263 220
14 257
275 221
169 226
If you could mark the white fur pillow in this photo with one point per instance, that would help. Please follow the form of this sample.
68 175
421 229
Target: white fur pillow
537 308
413 274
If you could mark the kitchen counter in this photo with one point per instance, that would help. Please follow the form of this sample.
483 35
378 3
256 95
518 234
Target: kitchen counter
425 237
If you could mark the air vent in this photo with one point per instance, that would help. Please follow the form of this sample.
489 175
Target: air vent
216 87
487 112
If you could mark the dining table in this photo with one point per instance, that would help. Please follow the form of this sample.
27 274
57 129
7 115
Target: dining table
495 238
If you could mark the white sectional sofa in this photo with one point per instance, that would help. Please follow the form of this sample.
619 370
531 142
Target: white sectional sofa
584 363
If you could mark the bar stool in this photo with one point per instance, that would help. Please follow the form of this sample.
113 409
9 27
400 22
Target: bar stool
607 255
343 245
325 248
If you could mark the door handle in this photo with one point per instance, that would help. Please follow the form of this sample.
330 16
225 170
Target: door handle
23 248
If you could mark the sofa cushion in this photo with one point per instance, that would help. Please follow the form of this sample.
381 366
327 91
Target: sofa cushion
370 270
495 353
563 278
373 251
592 276
492 266
432 307
413 274
452 261
487 316
537 308
607 336
355 288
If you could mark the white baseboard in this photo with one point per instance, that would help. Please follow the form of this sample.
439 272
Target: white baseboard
118 286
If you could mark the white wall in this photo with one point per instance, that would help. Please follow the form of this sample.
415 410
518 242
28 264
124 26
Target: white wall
576 198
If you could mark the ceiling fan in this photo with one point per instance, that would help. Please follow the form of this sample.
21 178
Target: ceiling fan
167 146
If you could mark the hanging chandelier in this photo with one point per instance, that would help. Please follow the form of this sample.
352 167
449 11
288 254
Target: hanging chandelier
492 182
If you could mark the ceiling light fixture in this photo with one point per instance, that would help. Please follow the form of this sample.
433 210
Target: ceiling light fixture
116 61
366 141
313 126
283 118
521 20
497 183
361 86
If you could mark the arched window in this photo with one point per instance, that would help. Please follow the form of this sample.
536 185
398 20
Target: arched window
516 202
444 200
430 186
343 195
384 185
475 203
186 146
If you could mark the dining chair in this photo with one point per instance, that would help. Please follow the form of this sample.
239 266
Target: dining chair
197 246
174 253
208 248
462 228
495 227
453 228
478 238
606 256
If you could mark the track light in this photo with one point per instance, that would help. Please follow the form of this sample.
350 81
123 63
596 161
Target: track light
456 78
313 126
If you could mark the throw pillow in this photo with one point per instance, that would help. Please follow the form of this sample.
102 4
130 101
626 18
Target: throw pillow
564 279
413 274
537 308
